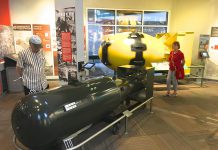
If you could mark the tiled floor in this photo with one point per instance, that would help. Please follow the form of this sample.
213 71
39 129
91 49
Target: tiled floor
186 122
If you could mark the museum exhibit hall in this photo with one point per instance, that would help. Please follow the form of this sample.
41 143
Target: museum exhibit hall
108 75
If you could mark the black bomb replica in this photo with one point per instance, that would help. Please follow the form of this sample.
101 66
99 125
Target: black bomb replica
42 119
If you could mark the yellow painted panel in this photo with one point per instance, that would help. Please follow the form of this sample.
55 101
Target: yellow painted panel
186 46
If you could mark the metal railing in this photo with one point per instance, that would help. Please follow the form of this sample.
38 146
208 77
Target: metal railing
201 76
125 115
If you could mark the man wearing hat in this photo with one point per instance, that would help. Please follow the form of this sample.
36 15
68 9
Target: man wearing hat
31 65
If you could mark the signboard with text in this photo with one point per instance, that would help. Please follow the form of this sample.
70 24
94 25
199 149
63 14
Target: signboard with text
22 33
43 31
66 47
214 32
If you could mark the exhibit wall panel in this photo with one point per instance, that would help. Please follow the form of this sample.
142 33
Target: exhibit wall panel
66 40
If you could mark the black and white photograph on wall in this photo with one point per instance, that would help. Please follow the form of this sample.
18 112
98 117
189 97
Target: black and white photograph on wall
67 73
72 72
63 73
59 56
48 62
6 41
65 22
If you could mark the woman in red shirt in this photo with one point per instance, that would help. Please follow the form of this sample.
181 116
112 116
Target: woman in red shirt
176 70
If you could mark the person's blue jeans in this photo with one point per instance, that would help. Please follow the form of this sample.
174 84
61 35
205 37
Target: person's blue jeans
171 78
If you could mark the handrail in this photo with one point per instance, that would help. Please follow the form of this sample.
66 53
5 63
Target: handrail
108 126
15 143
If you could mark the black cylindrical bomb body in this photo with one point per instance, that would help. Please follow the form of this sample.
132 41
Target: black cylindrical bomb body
39 120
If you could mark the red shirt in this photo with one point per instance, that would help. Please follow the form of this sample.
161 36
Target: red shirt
175 63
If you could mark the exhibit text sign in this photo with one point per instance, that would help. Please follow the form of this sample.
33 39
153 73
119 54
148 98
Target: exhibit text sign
66 47
22 33
22 27
214 32
43 31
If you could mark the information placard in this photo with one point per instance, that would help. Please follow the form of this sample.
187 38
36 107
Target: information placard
43 31
22 33
214 32
66 47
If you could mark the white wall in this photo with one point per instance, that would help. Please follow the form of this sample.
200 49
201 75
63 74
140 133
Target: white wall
34 12
195 16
